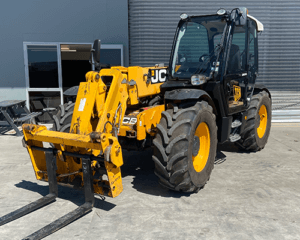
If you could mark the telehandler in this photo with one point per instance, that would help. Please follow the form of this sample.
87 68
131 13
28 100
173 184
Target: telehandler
206 95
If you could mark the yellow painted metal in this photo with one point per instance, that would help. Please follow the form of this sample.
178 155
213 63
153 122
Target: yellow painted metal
114 152
79 140
177 67
41 134
263 115
121 68
114 179
117 95
83 108
139 75
237 93
147 120
35 136
123 130
200 160
37 159
97 110
133 94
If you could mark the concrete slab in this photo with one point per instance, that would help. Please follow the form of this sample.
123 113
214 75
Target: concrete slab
249 196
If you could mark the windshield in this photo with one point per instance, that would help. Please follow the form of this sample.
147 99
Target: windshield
196 46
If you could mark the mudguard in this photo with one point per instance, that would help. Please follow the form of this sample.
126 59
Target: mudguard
261 87
185 94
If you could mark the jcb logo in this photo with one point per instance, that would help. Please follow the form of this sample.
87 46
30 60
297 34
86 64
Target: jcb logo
158 75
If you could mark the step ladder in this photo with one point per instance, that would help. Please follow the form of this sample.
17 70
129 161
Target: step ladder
234 136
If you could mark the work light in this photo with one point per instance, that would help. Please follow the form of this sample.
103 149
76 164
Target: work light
184 16
221 11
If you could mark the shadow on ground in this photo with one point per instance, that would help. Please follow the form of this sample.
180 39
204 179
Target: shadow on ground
230 147
5 129
141 167
72 195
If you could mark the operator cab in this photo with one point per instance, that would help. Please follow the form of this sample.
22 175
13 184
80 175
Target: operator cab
197 39
218 48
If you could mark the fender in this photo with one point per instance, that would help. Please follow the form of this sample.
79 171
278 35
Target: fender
186 94
260 87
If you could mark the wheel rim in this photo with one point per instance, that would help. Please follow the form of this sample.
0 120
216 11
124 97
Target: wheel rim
200 159
263 115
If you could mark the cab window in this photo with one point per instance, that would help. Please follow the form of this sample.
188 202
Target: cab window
237 55
193 44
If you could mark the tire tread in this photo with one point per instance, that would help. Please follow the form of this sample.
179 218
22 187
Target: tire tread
248 139
177 122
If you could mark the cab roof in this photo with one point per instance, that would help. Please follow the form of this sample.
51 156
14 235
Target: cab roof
259 25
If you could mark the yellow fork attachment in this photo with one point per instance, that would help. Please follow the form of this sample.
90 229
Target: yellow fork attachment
93 134
91 149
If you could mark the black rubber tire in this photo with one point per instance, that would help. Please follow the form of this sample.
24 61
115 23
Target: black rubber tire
250 140
63 118
173 144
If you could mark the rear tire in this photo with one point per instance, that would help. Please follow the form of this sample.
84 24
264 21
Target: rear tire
256 132
63 118
176 146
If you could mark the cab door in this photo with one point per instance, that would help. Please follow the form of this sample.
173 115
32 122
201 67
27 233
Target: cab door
252 57
236 70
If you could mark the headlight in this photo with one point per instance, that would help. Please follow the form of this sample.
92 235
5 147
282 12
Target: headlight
198 79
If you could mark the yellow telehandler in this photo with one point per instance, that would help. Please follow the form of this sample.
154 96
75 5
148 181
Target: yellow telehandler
206 95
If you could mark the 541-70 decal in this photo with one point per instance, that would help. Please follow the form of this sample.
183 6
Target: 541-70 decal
158 75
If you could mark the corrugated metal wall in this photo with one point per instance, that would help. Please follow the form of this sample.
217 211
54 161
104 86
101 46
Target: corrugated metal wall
152 25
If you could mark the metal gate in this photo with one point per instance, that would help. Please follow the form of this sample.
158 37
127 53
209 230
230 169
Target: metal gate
152 25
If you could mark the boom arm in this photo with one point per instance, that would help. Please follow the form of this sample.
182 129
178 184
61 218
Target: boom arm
96 123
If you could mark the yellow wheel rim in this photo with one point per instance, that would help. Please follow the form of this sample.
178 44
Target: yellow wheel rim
199 161
263 115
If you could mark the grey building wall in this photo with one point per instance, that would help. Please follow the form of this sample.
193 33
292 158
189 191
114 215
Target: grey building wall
152 25
54 21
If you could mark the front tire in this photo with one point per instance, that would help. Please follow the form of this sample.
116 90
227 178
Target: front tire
185 146
256 132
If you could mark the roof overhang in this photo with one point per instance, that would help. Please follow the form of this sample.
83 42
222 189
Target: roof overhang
259 25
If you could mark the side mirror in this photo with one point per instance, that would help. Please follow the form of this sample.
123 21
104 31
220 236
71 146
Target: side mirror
96 50
240 16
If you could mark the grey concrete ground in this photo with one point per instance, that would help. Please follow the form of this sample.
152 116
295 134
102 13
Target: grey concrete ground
249 196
